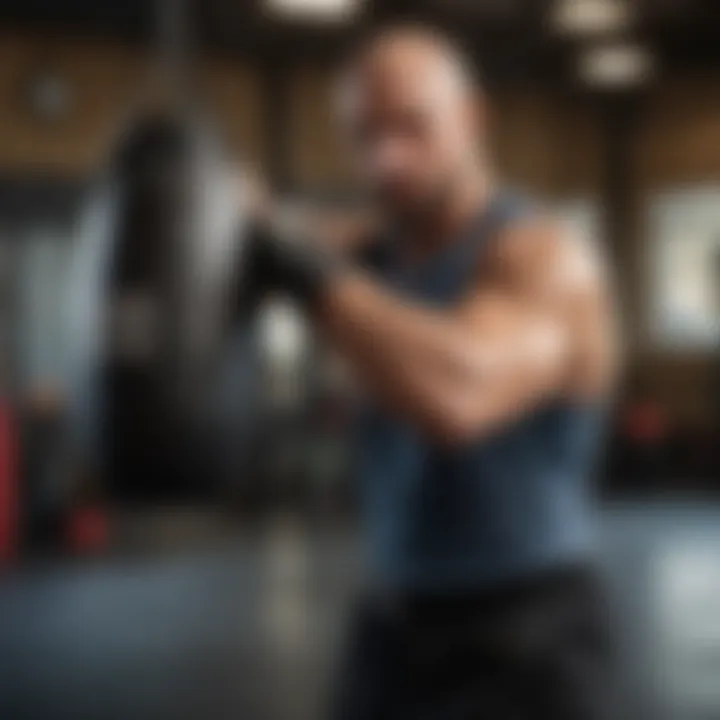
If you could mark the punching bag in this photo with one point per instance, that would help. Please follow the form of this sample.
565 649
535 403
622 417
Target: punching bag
177 240
161 387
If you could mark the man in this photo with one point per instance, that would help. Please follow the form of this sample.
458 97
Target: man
484 336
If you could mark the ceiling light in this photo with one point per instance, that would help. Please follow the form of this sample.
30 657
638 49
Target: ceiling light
321 10
590 17
616 66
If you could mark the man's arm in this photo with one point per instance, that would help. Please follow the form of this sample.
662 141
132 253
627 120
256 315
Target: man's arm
347 231
537 324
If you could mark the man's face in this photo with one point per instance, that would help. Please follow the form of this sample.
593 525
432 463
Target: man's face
411 122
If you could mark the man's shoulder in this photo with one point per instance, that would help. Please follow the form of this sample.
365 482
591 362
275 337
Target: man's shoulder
539 248
543 263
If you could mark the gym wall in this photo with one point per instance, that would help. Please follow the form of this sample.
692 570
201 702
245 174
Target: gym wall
105 82
677 145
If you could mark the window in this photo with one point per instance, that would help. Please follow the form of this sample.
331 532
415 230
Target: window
683 257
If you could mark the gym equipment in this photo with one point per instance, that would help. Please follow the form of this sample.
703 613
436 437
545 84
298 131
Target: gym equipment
177 237
159 379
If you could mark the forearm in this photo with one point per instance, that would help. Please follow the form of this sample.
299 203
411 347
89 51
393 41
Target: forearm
414 359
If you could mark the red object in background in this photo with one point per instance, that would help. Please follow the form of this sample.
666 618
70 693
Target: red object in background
88 531
646 423
8 488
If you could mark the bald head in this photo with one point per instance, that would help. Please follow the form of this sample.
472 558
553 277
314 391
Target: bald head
428 52
409 102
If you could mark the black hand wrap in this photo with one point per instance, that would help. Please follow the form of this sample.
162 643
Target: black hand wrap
275 261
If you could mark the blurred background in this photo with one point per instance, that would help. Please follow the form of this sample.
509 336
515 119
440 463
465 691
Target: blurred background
221 591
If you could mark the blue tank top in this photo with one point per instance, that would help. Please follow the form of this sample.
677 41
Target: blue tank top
492 511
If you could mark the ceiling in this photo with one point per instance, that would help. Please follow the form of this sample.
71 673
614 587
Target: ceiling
511 38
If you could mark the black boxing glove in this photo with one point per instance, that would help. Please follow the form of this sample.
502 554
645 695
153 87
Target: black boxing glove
273 260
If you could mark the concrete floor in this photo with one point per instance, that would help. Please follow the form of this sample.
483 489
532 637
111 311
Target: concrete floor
250 628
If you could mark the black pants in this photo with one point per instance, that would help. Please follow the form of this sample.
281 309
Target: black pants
535 651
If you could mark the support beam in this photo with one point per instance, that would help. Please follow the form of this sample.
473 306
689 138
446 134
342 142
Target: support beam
276 79
619 197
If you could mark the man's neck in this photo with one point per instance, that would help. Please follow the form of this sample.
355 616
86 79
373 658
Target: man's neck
446 222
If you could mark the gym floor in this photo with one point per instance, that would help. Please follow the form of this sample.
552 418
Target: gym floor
250 626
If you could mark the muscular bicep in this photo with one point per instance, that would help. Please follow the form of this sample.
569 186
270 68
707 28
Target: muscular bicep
537 326
517 357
